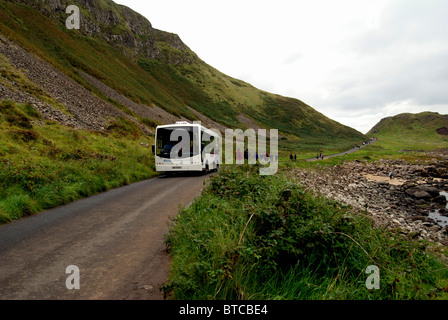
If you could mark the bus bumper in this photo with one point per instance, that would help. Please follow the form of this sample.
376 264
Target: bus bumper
178 167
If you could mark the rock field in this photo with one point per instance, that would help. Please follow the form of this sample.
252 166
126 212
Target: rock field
407 203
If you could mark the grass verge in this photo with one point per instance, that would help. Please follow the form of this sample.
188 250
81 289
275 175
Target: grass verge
44 164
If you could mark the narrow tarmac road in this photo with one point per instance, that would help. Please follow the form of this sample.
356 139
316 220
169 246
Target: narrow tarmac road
115 238
354 149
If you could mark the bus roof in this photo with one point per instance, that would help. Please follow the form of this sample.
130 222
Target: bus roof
186 124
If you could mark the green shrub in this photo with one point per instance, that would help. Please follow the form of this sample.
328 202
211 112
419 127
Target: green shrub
18 114
124 127
264 237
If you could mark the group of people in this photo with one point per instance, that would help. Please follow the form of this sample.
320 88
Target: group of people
364 143
266 157
258 157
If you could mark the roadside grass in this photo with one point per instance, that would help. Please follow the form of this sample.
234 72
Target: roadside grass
263 237
391 148
44 164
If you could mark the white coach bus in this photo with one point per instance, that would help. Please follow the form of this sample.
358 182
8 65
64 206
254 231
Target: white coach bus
184 147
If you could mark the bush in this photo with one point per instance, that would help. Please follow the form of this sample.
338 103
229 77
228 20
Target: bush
25 135
124 127
18 114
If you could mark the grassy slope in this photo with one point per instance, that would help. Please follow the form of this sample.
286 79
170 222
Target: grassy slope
44 164
170 86
69 50
411 131
222 98
401 136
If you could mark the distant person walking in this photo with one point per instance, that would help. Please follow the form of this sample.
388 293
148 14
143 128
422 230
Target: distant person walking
239 156
390 175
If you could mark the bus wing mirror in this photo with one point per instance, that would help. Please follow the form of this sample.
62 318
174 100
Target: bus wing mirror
154 149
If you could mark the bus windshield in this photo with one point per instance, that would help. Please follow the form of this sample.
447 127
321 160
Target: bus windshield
164 143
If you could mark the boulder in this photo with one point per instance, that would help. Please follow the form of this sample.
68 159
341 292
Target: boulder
412 191
422 195
431 190
420 202
409 200
409 184
421 218
440 199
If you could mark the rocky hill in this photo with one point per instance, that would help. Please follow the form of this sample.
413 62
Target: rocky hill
118 65
116 24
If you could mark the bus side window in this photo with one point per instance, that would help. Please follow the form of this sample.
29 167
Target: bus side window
159 144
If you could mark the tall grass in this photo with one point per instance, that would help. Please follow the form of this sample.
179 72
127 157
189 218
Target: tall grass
43 164
264 237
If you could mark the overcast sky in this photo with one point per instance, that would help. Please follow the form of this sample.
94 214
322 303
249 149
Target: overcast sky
355 61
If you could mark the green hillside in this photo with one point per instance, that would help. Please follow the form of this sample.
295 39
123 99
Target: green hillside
150 67
423 130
